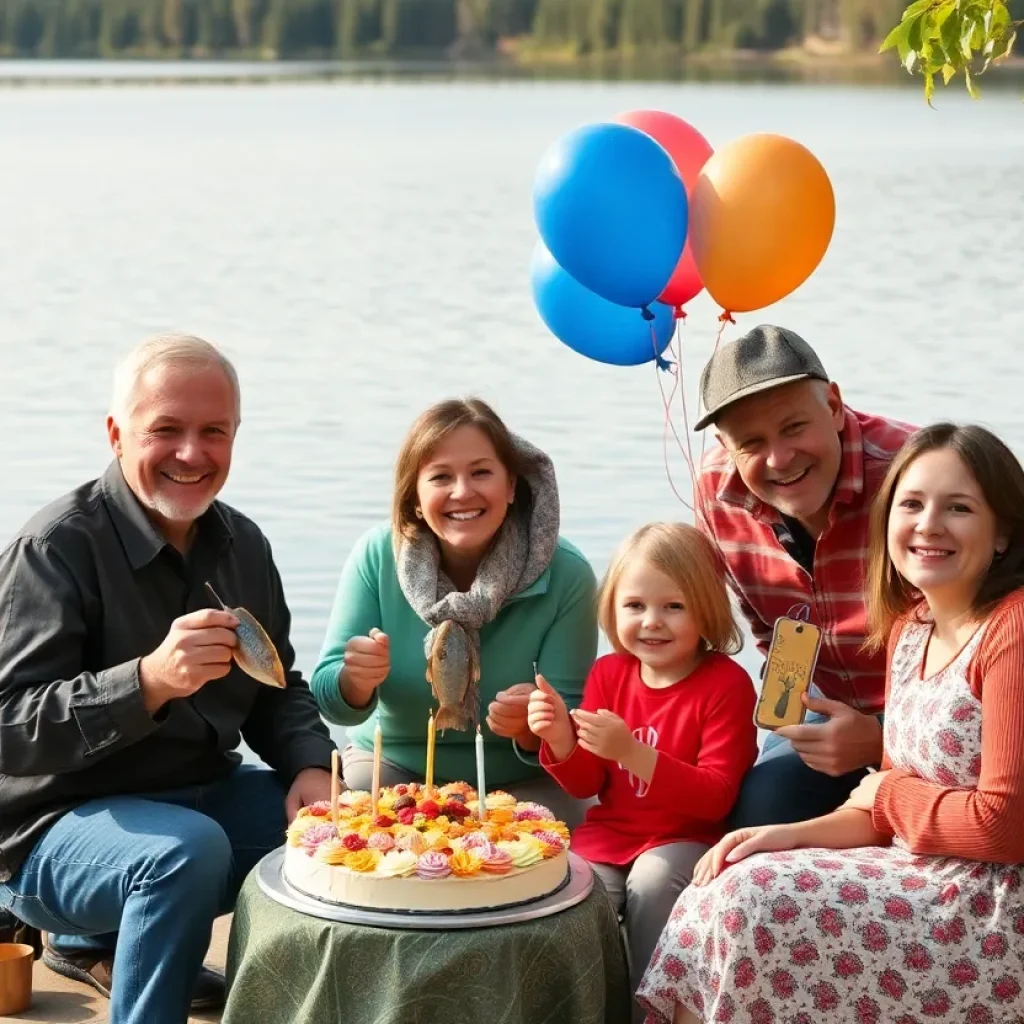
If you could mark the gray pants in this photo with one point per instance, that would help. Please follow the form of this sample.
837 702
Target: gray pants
357 768
645 892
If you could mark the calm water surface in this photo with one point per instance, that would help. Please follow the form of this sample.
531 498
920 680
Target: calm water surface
361 251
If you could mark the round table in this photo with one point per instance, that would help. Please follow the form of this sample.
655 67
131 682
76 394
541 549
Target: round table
288 967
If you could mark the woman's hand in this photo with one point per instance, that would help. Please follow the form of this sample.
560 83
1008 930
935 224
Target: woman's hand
863 797
507 713
367 662
740 844
548 719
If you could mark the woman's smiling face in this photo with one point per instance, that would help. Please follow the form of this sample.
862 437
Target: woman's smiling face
464 490
942 534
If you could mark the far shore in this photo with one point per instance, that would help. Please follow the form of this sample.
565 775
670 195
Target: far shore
814 62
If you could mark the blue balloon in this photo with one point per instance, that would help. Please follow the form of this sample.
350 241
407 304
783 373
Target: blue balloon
593 326
612 209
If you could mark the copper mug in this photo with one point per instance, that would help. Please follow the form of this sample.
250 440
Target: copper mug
16 961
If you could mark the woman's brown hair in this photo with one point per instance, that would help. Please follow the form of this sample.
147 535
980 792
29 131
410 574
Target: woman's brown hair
693 564
432 426
1001 479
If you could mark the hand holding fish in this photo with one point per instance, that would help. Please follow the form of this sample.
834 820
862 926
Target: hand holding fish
548 718
197 648
367 662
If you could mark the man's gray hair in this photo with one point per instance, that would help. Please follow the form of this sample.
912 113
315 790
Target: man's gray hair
160 350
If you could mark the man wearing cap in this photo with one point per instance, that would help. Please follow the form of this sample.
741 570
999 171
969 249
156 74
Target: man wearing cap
786 498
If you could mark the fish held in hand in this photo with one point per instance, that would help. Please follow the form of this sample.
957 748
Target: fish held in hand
453 671
255 654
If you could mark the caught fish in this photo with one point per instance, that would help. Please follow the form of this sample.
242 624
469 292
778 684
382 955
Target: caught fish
255 653
453 671
782 704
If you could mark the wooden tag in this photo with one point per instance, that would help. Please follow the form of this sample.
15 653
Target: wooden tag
788 672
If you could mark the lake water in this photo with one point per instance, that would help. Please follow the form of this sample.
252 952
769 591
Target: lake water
361 250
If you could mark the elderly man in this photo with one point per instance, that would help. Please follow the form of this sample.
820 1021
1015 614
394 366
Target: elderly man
127 822
786 499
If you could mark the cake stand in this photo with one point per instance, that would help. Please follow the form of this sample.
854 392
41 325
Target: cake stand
576 887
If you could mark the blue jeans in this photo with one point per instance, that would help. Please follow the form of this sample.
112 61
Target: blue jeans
145 876
780 788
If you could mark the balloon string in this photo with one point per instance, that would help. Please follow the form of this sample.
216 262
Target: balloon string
666 401
699 510
699 498
699 507
688 453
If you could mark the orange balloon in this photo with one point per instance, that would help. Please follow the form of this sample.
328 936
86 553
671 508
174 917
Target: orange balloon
761 218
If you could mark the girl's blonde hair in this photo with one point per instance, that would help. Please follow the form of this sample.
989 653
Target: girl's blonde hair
432 426
693 564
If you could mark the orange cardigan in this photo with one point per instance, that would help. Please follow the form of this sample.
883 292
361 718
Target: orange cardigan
986 823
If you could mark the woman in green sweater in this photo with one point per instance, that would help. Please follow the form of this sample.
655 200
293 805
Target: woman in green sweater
473 543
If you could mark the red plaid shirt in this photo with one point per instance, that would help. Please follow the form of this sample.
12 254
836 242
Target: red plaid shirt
770 583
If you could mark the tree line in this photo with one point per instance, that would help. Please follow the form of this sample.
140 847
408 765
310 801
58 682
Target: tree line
398 28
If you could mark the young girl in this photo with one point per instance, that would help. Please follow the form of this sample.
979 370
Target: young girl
665 730
914 909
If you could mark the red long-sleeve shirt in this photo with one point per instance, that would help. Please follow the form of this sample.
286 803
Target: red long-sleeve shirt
703 730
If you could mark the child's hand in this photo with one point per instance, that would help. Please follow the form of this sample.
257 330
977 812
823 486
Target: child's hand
604 734
548 718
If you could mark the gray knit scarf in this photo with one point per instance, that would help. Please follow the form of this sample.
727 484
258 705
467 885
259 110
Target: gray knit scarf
522 549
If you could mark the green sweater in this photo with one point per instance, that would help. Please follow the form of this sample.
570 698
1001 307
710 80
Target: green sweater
552 622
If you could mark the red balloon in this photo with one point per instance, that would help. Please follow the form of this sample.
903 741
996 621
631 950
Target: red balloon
689 151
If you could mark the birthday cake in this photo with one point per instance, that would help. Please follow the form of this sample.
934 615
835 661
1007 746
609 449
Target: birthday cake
427 850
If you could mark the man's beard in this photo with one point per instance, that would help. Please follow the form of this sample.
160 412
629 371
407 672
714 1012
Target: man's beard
177 512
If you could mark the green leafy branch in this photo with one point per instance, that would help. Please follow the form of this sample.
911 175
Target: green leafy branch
943 37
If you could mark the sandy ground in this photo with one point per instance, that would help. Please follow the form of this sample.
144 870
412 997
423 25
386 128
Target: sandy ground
55 1000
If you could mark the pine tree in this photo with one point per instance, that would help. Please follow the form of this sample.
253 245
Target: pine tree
242 16
172 23
346 28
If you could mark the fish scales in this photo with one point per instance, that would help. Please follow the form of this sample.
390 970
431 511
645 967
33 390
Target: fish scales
255 653
453 671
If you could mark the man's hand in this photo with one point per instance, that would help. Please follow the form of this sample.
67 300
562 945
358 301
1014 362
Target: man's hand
507 714
309 786
548 718
197 649
846 742
863 797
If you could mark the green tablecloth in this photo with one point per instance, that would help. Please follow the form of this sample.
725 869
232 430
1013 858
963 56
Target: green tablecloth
285 967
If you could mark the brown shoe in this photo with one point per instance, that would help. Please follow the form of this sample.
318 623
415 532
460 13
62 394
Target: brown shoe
208 994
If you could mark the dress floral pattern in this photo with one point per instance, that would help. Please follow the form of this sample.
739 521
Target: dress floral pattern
869 936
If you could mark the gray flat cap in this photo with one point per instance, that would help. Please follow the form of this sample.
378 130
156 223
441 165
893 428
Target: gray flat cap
766 357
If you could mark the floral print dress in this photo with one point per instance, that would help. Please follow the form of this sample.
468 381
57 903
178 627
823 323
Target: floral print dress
867 936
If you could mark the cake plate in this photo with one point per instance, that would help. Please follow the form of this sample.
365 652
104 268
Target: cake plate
575 889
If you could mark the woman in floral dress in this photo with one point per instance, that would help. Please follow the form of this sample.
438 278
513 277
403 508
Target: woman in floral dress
905 906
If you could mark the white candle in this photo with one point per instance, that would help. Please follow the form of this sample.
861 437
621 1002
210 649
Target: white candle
481 785
335 772
378 743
